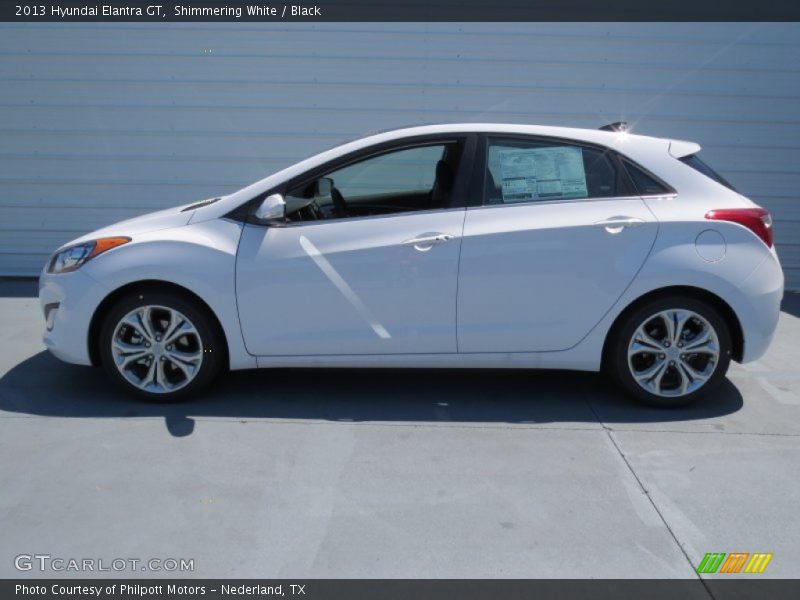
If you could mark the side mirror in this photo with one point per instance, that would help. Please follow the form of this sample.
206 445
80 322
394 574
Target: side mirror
272 208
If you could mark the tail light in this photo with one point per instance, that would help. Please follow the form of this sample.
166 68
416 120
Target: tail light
757 220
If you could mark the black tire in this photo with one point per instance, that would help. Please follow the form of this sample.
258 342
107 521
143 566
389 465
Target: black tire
618 352
210 341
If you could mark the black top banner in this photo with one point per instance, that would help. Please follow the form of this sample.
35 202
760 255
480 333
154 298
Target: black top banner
402 10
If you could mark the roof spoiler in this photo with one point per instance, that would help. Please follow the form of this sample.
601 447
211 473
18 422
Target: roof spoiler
681 149
618 126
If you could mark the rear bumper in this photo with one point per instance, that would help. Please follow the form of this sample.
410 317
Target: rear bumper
760 306
77 296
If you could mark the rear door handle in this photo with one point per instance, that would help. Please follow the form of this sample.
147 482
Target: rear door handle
426 241
617 224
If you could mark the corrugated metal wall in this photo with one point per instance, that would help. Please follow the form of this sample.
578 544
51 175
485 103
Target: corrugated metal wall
103 122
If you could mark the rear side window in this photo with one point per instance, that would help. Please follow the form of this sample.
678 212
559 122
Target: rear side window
530 171
700 166
646 185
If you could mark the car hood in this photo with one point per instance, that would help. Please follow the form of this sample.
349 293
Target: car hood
154 221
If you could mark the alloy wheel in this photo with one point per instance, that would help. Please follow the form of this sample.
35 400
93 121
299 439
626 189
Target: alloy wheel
157 349
673 353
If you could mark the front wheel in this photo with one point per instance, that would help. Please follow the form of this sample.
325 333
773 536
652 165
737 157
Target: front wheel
671 351
160 346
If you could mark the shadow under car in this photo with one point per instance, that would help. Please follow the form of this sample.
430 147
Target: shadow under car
42 385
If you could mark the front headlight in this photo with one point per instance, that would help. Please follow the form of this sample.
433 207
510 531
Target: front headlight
73 257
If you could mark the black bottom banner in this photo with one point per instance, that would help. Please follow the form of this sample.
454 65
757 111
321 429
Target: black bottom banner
399 589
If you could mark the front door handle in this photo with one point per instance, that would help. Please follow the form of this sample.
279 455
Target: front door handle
617 224
426 241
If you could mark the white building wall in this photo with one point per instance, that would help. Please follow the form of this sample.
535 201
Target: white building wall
103 122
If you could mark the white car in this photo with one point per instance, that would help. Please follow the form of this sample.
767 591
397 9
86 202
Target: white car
466 245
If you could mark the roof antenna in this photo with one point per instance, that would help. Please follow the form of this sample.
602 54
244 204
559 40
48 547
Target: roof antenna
618 126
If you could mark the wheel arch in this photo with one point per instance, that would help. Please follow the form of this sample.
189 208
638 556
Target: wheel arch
108 302
726 312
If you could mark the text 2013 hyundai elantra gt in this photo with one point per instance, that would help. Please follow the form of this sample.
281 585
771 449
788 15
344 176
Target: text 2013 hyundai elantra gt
472 245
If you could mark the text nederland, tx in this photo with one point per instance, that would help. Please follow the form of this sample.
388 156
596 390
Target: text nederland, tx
253 10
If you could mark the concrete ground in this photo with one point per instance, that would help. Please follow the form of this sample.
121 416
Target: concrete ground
299 474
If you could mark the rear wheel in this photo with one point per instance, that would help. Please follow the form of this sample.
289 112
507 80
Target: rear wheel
671 351
160 346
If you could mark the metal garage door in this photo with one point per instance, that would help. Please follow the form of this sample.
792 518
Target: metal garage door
101 123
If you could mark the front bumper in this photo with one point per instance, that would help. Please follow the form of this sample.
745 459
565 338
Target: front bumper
77 297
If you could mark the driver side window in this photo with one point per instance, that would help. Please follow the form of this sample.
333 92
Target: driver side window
411 179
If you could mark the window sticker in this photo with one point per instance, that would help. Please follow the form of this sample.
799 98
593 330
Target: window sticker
542 174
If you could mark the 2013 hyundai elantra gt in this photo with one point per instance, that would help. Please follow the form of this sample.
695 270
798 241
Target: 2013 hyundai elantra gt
473 245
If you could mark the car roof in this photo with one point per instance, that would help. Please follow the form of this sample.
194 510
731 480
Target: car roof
606 138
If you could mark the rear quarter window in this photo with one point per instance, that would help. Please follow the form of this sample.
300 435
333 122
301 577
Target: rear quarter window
700 166
646 184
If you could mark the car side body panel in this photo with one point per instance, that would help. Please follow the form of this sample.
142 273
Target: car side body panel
197 250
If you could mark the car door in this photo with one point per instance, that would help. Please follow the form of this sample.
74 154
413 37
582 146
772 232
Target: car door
381 280
557 239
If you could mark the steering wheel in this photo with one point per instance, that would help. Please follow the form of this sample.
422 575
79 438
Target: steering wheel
339 205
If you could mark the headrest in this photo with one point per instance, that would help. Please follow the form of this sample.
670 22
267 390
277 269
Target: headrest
444 176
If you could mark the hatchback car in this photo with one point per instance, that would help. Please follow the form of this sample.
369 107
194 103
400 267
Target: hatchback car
471 245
